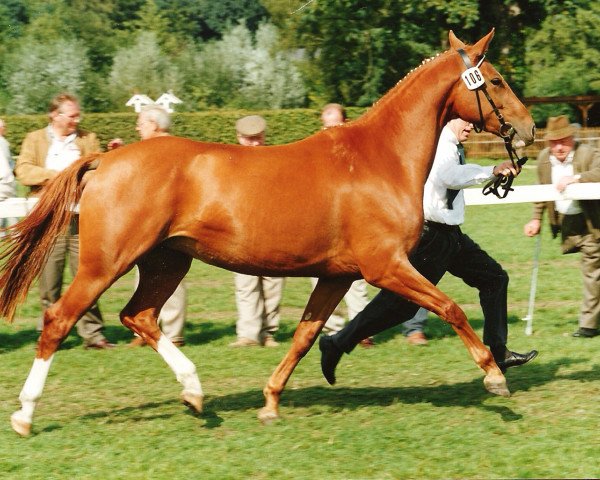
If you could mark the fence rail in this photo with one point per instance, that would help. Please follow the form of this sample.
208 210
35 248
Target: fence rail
20 207
487 145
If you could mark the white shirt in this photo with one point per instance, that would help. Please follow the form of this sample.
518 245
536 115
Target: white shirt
560 170
61 153
447 173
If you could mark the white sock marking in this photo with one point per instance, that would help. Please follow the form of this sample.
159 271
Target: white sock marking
184 369
32 390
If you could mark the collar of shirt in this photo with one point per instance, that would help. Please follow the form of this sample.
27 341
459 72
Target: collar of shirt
61 153
560 170
568 161
54 138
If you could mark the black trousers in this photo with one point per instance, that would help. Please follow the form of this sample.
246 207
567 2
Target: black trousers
442 248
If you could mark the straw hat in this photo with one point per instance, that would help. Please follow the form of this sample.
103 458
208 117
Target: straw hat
251 125
559 127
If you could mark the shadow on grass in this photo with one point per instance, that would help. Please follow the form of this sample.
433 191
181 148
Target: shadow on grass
195 334
462 394
14 341
148 412
206 332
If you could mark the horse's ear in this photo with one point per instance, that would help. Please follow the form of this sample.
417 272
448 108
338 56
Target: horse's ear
455 43
482 45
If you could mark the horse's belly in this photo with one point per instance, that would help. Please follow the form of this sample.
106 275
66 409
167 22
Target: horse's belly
275 260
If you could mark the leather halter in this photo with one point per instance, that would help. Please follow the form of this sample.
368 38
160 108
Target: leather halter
507 133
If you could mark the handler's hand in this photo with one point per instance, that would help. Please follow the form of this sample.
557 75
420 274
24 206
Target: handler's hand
532 228
506 168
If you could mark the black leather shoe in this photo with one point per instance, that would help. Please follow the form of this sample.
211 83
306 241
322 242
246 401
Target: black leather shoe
330 357
586 332
515 359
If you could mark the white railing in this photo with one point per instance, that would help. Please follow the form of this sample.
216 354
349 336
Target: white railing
535 193
20 207
16 207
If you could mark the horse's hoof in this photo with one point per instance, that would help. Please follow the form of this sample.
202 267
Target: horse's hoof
496 385
21 427
267 417
193 401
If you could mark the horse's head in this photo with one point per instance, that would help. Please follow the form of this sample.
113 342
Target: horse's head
482 96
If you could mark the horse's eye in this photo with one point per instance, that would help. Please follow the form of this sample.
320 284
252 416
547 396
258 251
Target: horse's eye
496 81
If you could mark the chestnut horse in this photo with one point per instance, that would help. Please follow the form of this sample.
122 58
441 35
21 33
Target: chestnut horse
341 204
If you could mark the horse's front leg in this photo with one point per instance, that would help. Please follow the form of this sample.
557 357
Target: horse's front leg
411 285
324 299
494 380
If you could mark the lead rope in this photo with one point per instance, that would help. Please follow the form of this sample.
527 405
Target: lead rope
507 132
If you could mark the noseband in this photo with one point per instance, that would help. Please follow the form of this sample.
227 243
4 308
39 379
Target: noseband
473 79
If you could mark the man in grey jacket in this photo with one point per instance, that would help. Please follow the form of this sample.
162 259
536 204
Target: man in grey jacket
563 162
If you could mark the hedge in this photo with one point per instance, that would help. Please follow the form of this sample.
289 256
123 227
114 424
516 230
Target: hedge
283 126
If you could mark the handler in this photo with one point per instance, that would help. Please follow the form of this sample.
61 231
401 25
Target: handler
443 248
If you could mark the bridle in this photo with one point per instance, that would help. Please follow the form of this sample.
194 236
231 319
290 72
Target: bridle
474 80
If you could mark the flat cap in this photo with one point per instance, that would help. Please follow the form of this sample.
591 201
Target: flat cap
251 125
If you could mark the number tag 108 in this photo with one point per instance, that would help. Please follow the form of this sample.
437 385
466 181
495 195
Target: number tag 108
473 78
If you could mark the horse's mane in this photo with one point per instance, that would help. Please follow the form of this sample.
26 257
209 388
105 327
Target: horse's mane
391 93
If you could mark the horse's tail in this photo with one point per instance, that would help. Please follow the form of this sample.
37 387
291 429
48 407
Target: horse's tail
28 243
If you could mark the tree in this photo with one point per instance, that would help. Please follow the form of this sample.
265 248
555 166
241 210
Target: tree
248 72
13 18
37 72
564 56
150 18
270 77
358 50
218 17
142 68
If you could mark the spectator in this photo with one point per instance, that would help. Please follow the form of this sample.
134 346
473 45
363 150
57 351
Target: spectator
257 298
154 121
443 248
44 153
7 180
563 162
332 115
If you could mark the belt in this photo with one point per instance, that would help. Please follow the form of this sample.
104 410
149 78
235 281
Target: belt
441 226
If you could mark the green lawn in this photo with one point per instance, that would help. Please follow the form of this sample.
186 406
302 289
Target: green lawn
396 412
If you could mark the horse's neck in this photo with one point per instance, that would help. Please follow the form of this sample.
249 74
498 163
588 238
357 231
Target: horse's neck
411 116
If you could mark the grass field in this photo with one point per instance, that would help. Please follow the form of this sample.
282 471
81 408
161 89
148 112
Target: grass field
396 412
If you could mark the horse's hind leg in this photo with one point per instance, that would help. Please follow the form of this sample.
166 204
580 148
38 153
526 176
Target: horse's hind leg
325 297
161 270
59 318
